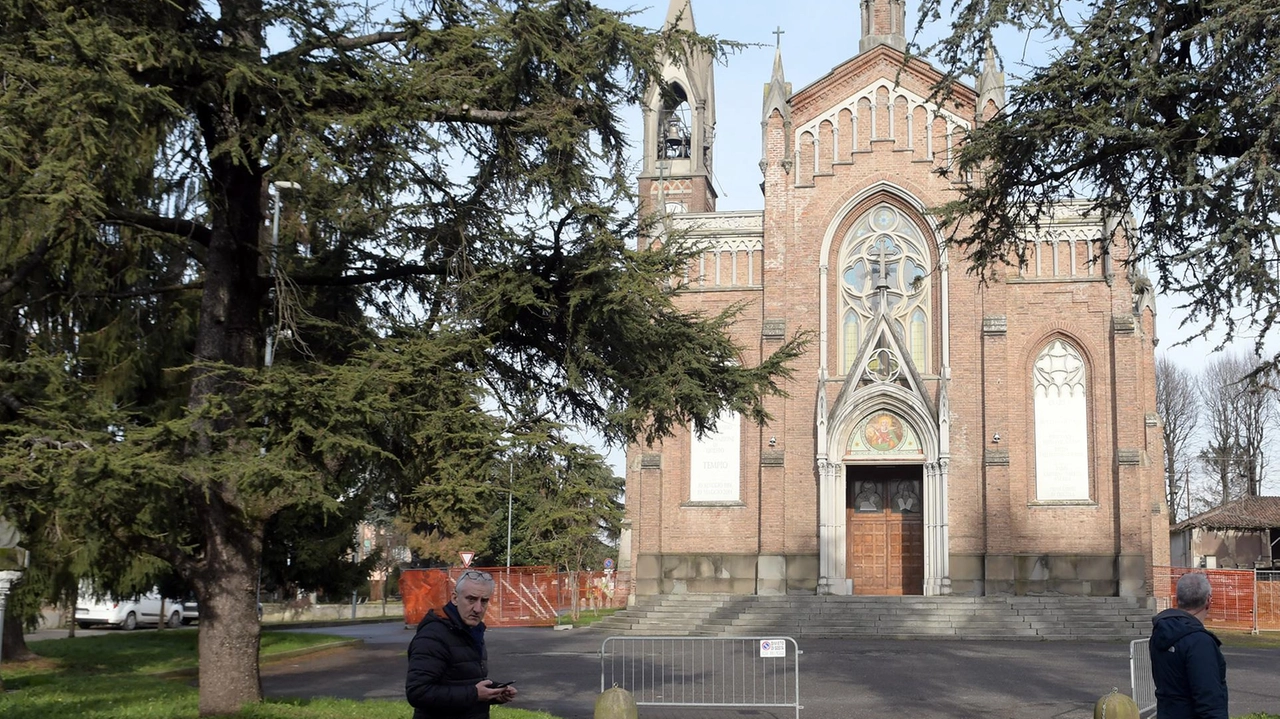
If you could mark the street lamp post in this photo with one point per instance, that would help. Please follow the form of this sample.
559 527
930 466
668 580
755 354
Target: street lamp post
268 356
510 480
274 189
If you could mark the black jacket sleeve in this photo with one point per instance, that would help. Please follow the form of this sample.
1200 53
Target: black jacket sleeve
426 686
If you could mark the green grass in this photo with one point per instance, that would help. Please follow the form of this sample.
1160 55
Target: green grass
590 616
152 652
1264 640
116 677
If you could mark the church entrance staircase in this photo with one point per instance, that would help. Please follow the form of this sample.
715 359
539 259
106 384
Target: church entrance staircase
799 616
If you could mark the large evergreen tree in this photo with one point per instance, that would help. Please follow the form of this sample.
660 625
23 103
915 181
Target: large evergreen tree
457 241
1165 111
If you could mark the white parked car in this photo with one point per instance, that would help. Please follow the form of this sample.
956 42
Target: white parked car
191 611
126 613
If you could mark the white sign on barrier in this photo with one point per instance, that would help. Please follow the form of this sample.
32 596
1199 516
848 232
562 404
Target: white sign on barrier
773 647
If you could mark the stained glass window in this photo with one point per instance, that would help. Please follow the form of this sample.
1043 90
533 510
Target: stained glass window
885 242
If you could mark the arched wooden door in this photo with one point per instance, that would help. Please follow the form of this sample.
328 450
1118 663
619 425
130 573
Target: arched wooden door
885 529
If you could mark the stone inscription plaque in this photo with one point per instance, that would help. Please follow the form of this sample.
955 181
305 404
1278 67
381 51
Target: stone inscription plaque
1062 449
715 468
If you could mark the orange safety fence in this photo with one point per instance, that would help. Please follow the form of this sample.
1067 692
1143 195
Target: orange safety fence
1242 598
1268 591
522 596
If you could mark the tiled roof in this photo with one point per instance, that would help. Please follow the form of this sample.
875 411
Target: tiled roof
1247 513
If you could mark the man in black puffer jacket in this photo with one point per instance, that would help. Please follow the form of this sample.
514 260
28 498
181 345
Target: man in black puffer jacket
448 664
1188 667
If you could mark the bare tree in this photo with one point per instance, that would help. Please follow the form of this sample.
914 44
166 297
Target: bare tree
1240 407
1178 403
1258 414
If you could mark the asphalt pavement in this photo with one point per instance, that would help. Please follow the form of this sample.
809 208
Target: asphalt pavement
559 672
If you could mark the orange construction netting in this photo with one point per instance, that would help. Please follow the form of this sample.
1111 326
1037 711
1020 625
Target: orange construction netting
522 596
1242 598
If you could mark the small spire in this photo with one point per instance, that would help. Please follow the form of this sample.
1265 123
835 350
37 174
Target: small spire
990 82
680 14
777 91
777 94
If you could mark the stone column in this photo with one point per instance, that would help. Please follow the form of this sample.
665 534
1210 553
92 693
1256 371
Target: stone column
944 527
624 558
930 498
937 551
830 528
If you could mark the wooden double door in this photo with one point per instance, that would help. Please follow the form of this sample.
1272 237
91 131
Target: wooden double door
884 507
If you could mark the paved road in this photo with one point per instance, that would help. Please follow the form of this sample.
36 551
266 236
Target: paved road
559 672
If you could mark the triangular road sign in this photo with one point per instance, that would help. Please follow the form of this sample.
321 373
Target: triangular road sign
466 558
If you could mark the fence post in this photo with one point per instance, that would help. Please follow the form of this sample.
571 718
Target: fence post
1255 600
573 593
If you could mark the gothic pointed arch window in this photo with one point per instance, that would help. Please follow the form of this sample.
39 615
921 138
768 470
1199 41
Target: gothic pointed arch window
1060 387
887 238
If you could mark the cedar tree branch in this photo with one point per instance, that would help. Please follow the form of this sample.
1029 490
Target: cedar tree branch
170 225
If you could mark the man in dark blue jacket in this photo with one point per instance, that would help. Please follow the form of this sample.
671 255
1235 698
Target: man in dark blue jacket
448 663
1188 667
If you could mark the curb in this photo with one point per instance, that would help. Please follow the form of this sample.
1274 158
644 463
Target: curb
321 623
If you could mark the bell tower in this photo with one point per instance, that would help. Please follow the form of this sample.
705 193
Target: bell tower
883 23
679 129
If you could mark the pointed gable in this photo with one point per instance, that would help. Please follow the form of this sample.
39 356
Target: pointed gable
866 79
883 361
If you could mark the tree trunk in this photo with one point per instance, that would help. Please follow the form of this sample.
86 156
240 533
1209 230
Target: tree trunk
229 629
13 647
70 613
230 331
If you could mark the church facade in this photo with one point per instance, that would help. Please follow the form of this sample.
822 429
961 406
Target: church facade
940 436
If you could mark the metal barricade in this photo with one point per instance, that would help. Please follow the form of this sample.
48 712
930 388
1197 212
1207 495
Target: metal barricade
1141 683
704 671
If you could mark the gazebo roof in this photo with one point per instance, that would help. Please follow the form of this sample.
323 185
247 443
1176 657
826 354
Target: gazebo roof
1247 513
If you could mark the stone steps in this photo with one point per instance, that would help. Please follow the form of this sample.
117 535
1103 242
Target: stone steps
1015 618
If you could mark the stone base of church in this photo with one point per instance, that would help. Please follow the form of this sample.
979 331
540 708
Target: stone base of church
726 574
1088 575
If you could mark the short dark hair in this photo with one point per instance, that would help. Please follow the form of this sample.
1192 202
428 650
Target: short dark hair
1193 591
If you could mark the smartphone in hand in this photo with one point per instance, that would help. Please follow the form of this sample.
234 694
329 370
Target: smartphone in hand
499 685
